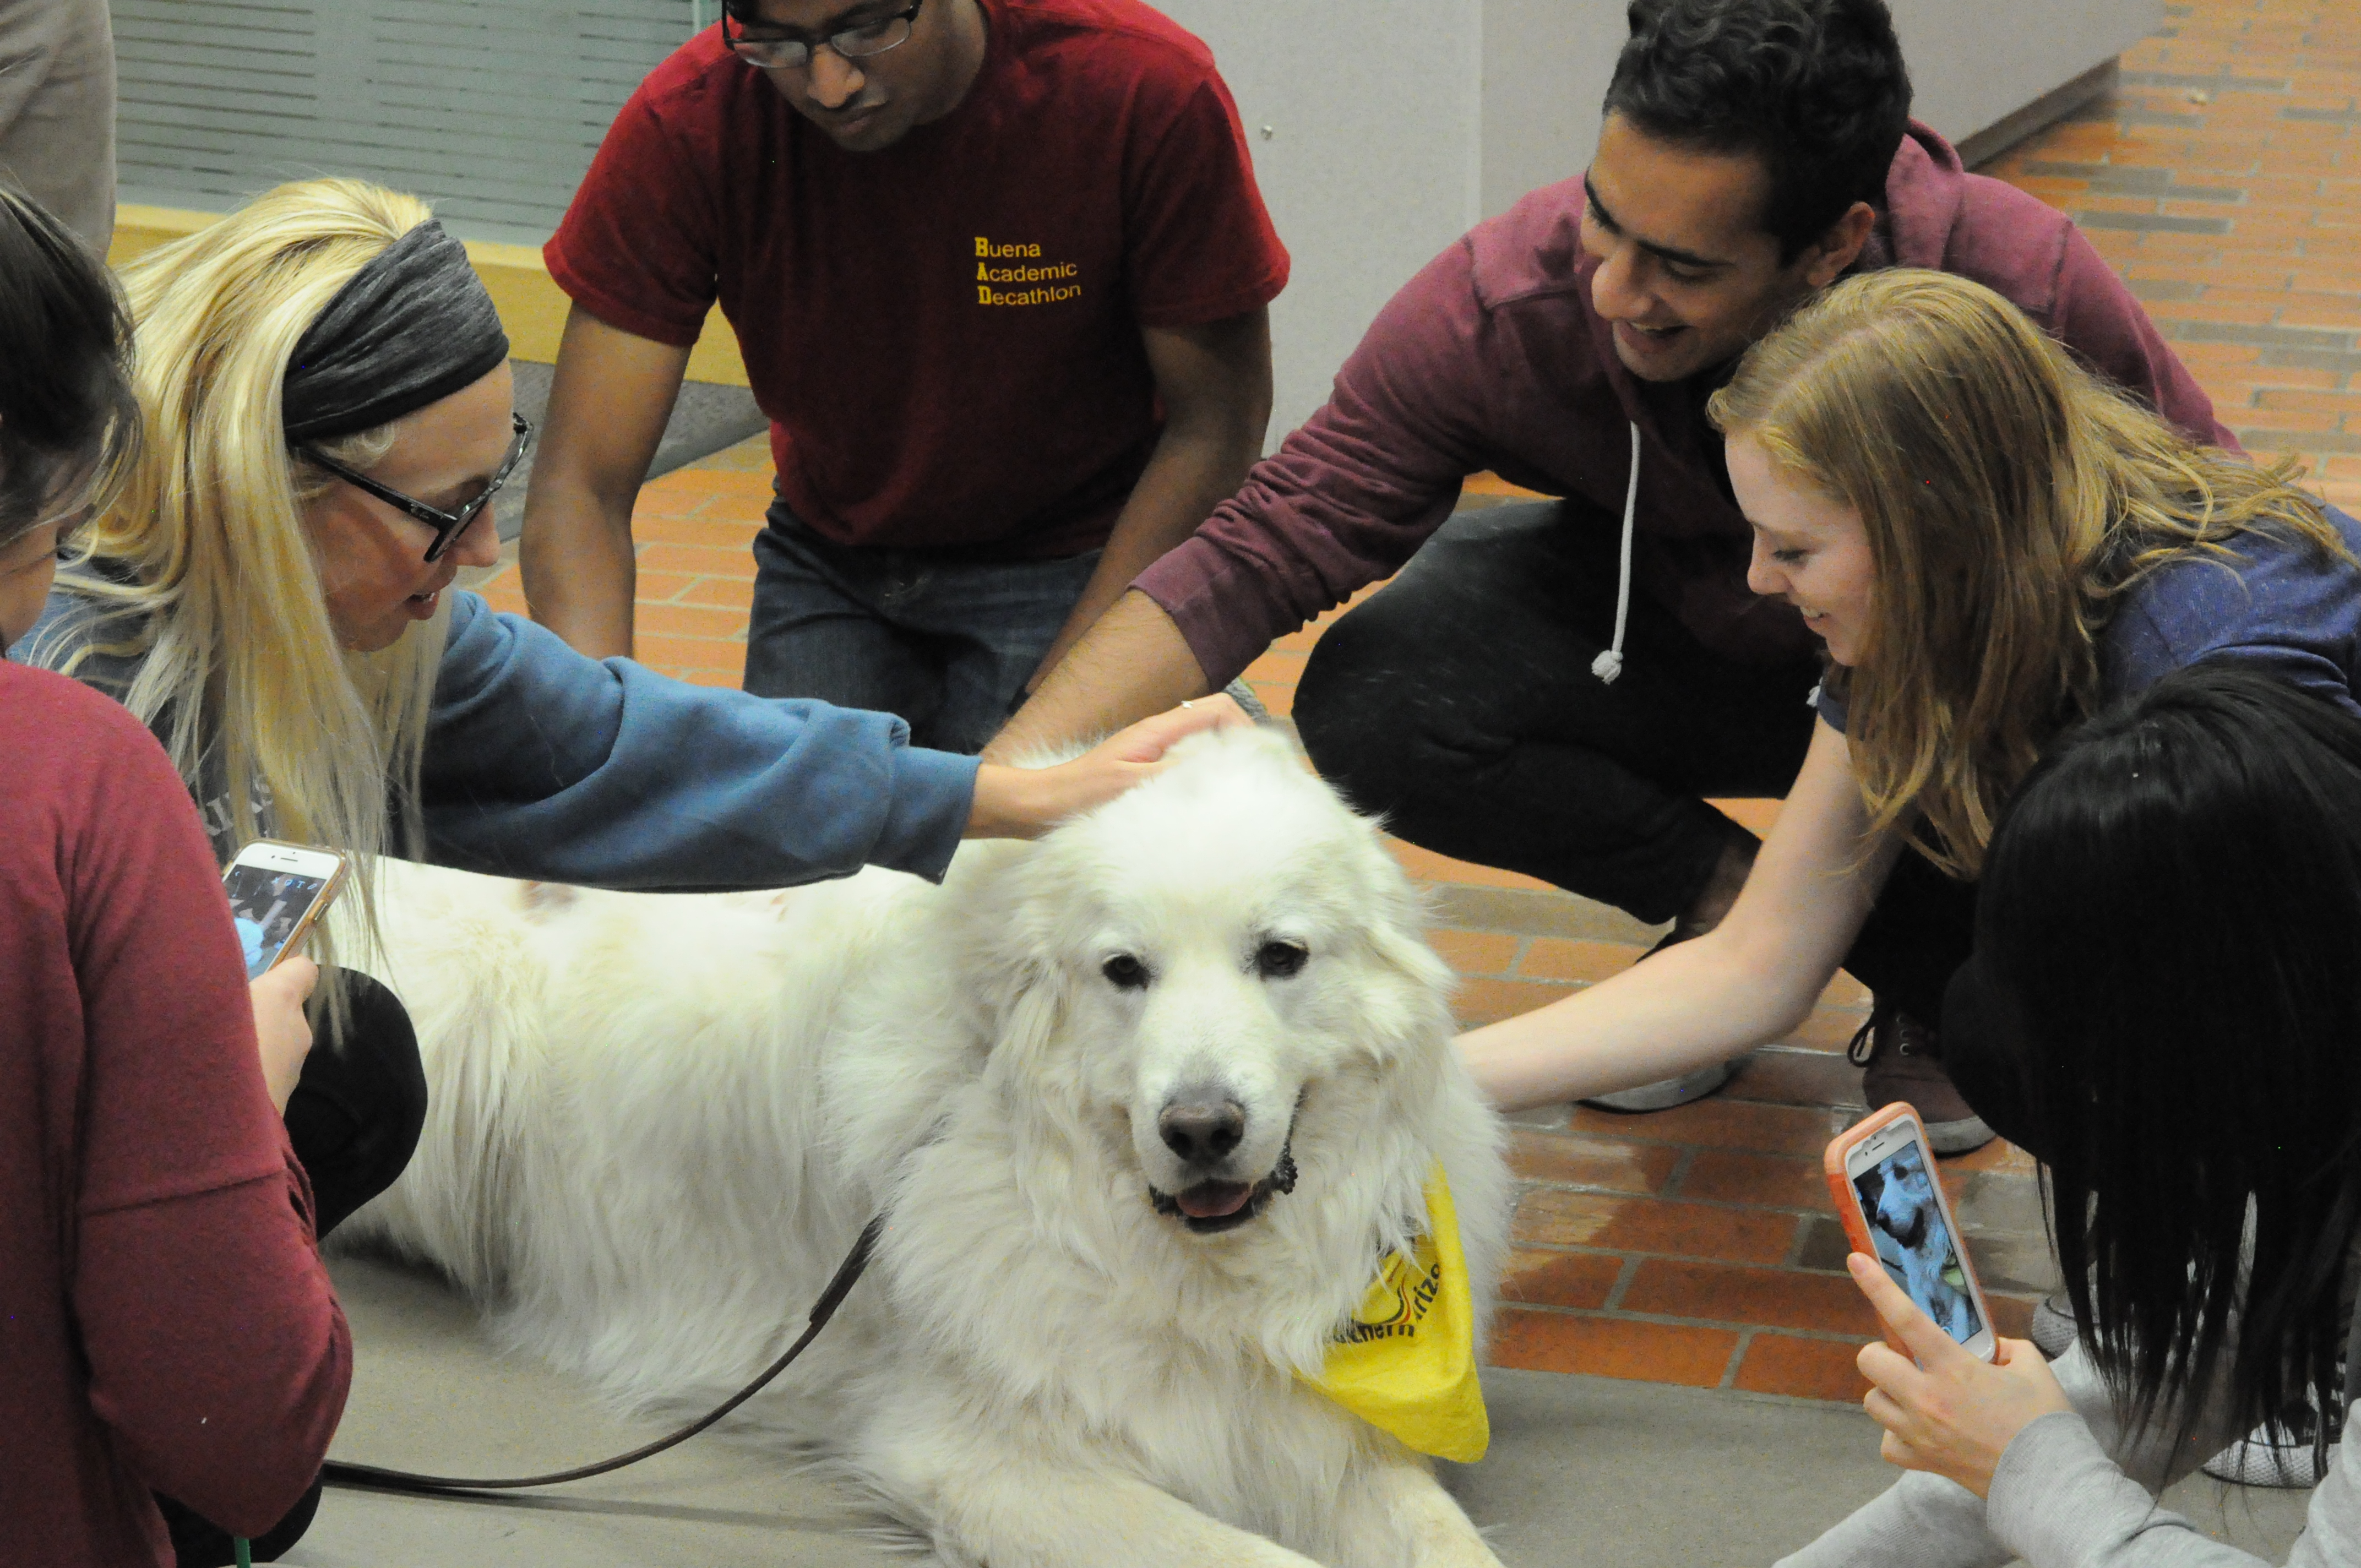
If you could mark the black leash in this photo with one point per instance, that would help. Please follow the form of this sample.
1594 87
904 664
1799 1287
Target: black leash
336 1472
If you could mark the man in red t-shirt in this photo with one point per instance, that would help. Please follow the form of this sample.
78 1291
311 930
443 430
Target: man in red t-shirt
999 275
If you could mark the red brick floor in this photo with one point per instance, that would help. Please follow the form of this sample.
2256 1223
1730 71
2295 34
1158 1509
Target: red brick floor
2224 180
1695 1246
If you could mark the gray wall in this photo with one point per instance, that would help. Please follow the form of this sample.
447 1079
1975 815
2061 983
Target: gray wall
489 108
1974 65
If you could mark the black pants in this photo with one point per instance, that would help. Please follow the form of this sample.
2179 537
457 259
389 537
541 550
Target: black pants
1460 702
353 1121
1986 1054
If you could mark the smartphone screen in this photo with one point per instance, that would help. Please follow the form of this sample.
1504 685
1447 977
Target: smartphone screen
266 905
1906 1223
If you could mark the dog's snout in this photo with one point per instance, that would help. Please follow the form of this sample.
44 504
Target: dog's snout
1203 1130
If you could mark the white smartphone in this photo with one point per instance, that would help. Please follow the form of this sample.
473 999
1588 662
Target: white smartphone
275 892
1893 1208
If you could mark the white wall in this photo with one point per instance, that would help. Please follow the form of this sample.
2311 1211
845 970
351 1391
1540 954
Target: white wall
1364 119
1546 63
1383 129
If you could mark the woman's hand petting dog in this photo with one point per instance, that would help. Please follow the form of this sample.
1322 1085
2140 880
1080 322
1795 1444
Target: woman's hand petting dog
1025 803
280 1027
1952 1413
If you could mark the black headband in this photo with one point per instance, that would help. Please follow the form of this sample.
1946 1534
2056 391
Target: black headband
411 328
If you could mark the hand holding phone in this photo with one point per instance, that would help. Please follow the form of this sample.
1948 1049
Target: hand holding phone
275 893
281 1032
1893 1210
1948 1412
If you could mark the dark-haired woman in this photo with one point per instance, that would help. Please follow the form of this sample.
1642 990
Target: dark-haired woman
2165 1004
166 1324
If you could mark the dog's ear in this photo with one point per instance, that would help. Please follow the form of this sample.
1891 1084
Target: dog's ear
1031 1012
1409 1001
1398 932
1018 985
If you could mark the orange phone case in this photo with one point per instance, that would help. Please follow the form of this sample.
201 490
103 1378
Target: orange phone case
1856 1223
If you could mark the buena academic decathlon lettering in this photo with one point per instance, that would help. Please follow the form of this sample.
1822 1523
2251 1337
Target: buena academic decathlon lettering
1054 276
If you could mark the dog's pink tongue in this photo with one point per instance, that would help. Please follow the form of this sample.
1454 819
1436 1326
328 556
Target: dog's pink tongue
1213 1200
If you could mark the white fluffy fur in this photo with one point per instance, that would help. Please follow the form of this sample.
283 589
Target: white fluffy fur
658 1122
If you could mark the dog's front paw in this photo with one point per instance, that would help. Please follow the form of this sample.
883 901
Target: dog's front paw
1420 1522
1462 1549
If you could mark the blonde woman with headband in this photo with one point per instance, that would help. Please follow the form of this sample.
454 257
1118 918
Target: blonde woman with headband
328 407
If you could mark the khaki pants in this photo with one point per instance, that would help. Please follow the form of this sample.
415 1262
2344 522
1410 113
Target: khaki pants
57 110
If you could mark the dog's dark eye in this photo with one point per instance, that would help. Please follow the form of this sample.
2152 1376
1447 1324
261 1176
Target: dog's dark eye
1124 971
1276 959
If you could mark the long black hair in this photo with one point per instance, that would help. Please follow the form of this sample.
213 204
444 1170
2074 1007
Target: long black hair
2172 908
67 409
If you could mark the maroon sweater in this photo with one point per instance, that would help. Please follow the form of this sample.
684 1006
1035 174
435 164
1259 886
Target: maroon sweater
165 1322
1493 357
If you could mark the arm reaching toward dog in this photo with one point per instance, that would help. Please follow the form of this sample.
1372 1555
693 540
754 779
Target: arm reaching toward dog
1749 979
1025 803
1951 1412
1132 662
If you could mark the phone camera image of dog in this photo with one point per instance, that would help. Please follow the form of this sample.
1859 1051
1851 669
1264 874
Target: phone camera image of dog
1898 1197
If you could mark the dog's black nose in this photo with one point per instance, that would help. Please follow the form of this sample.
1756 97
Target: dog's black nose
1203 1132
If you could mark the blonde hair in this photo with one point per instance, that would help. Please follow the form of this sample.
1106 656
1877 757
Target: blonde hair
2010 496
205 549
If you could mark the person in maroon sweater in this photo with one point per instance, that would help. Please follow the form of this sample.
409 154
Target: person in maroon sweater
168 1325
1556 688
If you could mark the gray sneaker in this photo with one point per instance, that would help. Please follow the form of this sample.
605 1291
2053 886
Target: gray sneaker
2054 1327
1668 1093
2283 1459
2259 1459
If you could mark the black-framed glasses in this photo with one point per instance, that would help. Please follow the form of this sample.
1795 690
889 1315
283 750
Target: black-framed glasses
781 51
447 525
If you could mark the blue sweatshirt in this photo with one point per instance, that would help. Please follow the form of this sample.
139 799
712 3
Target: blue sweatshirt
2281 606
540 762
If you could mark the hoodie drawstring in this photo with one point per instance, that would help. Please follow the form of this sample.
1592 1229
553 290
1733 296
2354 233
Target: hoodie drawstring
1609 664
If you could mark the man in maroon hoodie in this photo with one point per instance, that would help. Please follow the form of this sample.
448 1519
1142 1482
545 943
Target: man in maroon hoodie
1555 687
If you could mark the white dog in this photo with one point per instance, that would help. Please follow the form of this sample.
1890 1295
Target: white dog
1146 1103
1916 1245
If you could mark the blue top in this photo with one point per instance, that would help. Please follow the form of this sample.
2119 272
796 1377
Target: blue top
2282 604
540 762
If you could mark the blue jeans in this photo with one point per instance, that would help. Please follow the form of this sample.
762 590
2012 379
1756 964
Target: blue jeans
945 643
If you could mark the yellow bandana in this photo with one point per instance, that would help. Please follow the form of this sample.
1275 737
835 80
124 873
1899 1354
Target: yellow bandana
1406 1363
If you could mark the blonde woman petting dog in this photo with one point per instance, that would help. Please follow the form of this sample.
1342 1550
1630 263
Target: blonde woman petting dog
1991 543
328 400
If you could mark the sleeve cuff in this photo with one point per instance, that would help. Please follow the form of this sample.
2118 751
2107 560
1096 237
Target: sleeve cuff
1223 613
1206 309
933 794
610 310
